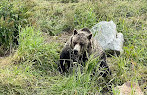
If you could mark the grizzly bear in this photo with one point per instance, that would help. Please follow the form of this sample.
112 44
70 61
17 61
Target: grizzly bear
79 48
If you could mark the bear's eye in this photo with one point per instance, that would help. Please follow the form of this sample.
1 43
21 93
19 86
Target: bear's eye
74 43
82 44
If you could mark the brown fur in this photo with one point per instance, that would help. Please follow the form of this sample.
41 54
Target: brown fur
90 45
79 48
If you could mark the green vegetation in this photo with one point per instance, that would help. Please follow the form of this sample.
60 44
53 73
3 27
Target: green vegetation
11 16
32 67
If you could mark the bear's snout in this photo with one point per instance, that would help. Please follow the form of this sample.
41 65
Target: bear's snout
76 49
75 52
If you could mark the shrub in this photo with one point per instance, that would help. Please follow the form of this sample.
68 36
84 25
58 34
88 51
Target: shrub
11 16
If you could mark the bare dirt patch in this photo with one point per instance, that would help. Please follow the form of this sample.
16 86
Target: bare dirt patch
61 38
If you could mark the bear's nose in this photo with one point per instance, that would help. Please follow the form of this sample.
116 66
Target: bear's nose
76 52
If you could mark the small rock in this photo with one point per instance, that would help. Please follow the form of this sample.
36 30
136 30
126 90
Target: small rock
106 35
129 88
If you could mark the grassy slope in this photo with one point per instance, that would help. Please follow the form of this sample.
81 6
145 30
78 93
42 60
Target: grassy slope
24 77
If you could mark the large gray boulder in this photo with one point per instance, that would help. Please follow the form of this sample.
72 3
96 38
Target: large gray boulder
106 35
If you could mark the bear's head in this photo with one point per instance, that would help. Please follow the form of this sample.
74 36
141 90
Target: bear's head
81 41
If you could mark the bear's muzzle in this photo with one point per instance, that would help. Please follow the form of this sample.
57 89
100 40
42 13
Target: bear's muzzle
76 49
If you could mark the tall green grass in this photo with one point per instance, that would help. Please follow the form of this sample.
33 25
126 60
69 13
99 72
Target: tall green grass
33 59
33 49
34 70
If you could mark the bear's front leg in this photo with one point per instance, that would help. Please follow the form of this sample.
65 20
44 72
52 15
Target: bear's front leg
104 66
65 60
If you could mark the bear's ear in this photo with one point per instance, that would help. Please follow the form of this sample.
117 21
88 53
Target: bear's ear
89 36
75 32
86 29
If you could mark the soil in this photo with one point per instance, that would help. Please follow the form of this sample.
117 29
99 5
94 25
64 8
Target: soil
61 38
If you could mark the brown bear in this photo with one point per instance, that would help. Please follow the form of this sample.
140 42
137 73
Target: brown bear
79 48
